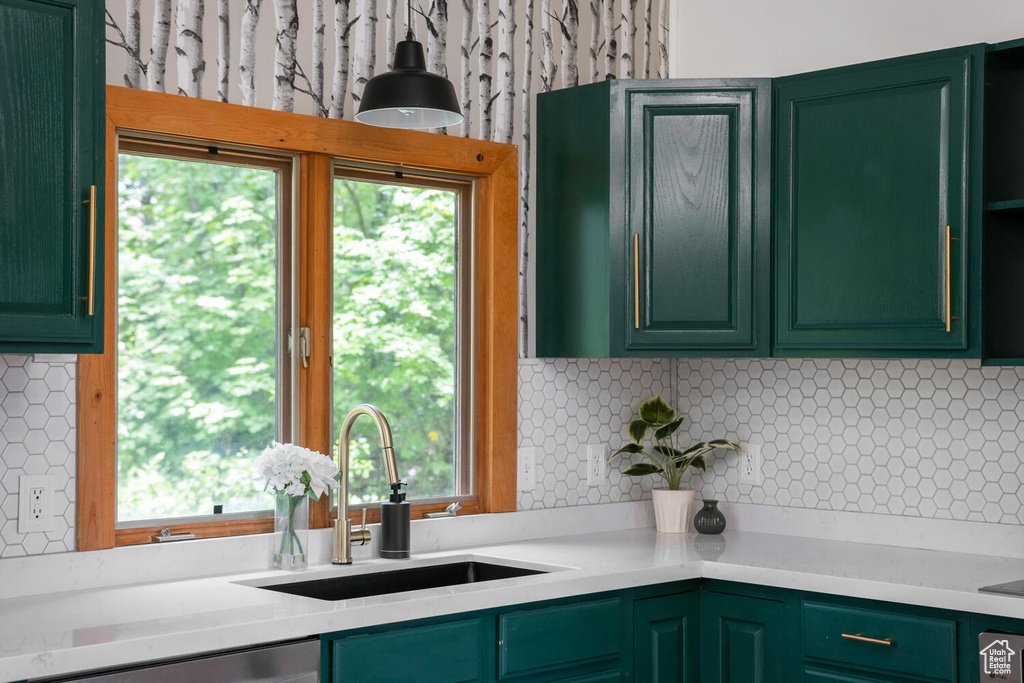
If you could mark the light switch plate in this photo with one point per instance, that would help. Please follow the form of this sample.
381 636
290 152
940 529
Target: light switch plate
35 503
597 464
527 458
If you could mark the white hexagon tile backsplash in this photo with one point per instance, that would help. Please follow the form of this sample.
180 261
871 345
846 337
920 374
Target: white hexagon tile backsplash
37 436
565 404
925 438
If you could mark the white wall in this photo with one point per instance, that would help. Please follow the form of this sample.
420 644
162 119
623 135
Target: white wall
758 38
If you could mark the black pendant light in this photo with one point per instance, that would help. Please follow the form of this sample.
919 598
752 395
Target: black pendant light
409 96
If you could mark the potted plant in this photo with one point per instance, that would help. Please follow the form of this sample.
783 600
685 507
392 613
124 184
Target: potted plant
671 503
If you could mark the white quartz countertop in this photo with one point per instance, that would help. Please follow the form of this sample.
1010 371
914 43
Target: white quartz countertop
59 633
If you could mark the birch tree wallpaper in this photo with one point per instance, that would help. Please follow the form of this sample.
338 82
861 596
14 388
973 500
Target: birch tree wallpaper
315 57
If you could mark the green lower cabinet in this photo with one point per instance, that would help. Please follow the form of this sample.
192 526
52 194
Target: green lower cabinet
443 653
666 639
566 641
706 631
550 639
970 644
742 639
874 640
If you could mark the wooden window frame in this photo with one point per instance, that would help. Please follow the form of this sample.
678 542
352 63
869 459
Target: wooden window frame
319 144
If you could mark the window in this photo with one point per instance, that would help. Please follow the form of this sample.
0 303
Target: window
402 329
203 312
243 233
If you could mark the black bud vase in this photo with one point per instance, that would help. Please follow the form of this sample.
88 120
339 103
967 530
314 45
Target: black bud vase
709 519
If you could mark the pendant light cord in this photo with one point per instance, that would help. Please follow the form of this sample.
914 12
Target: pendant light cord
408 27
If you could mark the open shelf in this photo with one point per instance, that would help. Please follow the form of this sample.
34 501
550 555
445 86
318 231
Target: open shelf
1006 205
1001 362
1003 235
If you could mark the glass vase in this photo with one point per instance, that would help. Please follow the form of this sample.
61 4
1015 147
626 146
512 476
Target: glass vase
291 531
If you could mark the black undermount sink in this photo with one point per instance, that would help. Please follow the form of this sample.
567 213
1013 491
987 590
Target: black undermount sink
401 580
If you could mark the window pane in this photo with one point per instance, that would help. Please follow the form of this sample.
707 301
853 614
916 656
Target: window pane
197 338
395 332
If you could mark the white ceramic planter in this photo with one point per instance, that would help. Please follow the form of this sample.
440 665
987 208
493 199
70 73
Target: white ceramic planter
672 510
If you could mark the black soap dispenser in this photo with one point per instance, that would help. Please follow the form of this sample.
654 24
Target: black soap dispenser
394 525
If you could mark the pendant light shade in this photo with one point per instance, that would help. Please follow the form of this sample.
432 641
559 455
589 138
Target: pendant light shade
409 96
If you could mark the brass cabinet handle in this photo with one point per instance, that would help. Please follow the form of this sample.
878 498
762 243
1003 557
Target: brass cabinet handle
949 279
91 201
864 639
636 280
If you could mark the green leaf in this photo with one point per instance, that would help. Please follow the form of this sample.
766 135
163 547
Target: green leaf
696 448
724 443
638 430
641 469
669 429
628 448
655 411
699 463
670 452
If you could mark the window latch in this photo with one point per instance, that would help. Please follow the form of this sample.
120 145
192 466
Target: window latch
303 345
449 511
165 535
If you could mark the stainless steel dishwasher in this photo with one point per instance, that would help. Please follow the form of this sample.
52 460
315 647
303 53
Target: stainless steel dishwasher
292 662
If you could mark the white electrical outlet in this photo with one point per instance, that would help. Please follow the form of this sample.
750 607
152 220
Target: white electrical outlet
35 503
527 463
597 464
750 465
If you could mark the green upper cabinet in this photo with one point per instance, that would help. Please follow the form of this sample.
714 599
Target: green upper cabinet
653 219
877 226
51 155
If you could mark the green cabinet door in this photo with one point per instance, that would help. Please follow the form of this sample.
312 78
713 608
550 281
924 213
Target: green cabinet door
441 653
666 639
653 219
742 639
51 154
873 162
697 219
560 638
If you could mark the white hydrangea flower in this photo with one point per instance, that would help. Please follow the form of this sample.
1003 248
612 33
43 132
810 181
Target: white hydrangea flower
284 465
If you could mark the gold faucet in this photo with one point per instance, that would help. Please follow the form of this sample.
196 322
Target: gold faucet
344 537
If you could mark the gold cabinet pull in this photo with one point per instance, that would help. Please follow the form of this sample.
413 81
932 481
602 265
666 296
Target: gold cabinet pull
636 280
949 279
864 639
91 201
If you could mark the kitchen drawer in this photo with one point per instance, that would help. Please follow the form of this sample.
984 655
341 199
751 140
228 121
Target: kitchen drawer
445 653
603 677
544 639
918 646
812 675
